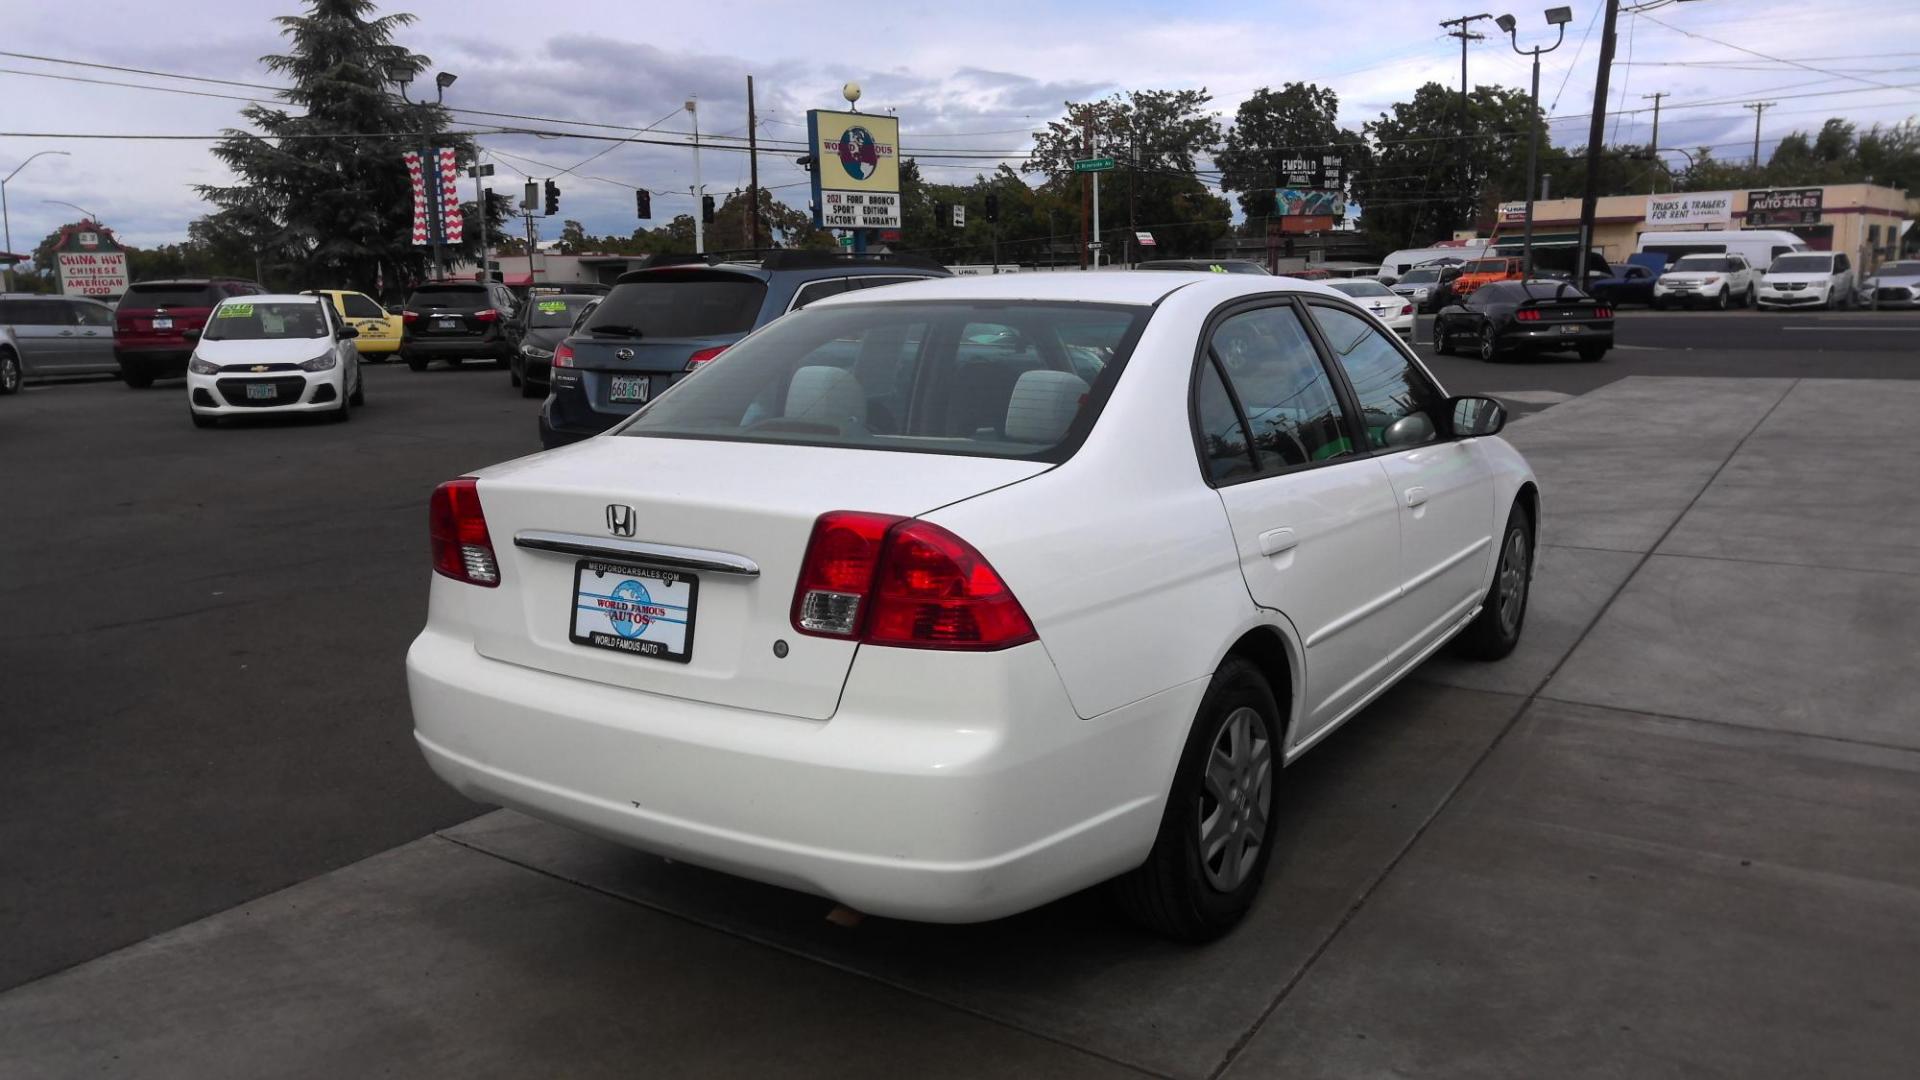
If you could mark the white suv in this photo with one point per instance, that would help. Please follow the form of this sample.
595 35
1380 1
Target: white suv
1716 280
1808 279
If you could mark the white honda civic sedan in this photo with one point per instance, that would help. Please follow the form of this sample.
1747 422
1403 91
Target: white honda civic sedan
273 354
948 599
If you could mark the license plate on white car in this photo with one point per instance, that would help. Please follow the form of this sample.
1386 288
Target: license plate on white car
628 388
262 391
634 609
163 324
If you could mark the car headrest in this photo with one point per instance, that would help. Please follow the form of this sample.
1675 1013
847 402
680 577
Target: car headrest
1043 406
826 394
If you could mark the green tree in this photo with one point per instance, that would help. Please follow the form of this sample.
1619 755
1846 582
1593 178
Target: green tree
1274 125
323 195
1421 189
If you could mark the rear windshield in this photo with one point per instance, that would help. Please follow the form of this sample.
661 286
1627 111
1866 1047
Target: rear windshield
1015 380
670 305
160 295
1717 264
451 297
1361 288
1802 264
248 320
556 310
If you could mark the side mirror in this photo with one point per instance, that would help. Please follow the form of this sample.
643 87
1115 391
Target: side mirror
190 335
1413 429
348 333
1474 416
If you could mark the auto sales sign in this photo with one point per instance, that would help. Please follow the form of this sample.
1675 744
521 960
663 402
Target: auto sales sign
856 170
1691 208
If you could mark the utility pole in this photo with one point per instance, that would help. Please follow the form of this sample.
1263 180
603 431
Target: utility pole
1596 133
1465 35
1759 108
478 171
753 174
1653 181
699 224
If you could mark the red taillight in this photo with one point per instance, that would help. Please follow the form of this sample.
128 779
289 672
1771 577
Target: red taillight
1527 315
1603 312
462 550
410 316
703 356
1406 309
486 315
563 355
903 582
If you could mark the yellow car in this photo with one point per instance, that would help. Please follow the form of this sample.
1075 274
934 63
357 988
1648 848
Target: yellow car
379 331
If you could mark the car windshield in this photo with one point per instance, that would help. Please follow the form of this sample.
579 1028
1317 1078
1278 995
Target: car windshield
670 304
1702 264
987 378
1802 264
451 297
1419 277
1899 269
250 320
1361 288
168 295
555 310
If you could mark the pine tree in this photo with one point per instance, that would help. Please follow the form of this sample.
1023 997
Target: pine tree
324 195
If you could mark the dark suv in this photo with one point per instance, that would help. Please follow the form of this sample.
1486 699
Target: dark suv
663 321
151 323
456 321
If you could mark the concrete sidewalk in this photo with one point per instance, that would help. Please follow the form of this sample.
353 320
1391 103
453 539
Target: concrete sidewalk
1676 834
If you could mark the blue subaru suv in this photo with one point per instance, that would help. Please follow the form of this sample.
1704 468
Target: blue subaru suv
668 318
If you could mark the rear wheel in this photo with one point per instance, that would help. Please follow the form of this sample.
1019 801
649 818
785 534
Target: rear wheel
1496 630
1753 297
1214 842
416 363
1592 352
513 374
1442 343
135 378
9 373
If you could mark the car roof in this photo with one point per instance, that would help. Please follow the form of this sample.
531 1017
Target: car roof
1088 287
187 281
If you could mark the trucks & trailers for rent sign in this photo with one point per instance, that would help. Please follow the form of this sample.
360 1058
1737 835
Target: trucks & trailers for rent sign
1693 208
856 170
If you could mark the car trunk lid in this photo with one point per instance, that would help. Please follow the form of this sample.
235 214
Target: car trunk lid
751 501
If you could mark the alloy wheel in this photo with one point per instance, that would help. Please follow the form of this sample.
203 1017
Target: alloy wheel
1489 344
9 374
1236 799
1514 560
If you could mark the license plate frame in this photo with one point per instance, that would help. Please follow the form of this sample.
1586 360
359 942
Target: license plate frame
163 323
1570 328
591 625
446 322
263 391
615 383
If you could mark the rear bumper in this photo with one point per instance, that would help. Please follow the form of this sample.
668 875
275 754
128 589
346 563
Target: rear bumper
946 787
158 361
457 348
1551 337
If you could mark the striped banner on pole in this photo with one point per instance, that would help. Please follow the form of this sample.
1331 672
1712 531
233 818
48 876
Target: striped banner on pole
453 224
422 220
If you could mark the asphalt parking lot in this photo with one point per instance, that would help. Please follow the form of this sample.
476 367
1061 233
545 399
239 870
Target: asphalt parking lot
1678 833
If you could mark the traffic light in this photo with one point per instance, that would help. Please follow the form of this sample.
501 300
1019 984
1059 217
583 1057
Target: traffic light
993 207
553 198
643 204
706 209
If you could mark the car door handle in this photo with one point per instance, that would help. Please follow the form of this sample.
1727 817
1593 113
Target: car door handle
1275 541
66 333
1416 496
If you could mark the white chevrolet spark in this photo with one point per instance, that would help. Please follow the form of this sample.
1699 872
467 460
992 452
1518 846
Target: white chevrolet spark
948 599
273 354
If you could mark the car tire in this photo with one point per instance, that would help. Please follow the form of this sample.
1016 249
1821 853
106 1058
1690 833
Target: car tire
1179 892
416 363
136 380
9 374
1753 298
1489 345
513 374
1503 614
1592 353
359 395
1442 343
342 414
200 420
1724 300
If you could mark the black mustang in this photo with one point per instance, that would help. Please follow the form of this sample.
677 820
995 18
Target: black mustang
1525 316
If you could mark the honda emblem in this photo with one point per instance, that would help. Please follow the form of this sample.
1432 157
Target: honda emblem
620 519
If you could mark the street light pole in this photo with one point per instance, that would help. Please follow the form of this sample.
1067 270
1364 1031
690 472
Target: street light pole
6 221
1557 18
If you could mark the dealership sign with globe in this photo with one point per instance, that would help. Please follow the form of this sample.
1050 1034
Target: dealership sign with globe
856 170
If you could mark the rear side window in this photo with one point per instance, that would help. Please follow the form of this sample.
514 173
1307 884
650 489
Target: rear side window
40 313
817 290
159 295
451 297
1019 380
668 305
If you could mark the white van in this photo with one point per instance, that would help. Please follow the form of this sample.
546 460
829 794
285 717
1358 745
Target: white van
1760 246
1400 262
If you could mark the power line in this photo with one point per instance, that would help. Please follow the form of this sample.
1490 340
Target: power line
1775 59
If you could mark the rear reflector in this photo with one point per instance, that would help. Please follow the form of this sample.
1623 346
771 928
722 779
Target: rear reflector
703 356
462 550
563 355
903 582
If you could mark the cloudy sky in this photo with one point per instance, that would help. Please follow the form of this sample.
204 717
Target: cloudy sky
971 78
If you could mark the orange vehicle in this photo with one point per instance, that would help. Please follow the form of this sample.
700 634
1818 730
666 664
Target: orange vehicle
1485 271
